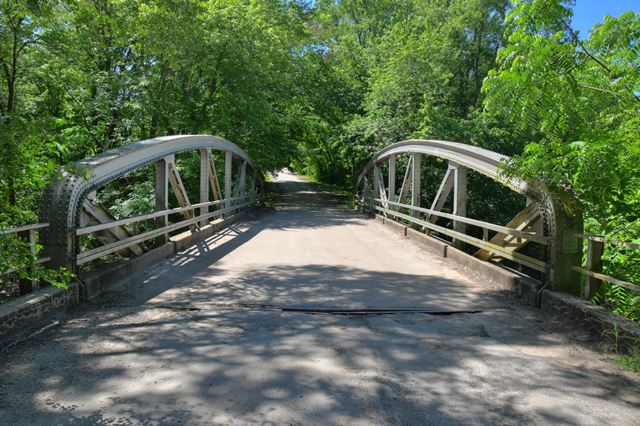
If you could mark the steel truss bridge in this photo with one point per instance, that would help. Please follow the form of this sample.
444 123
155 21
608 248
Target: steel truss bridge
76 230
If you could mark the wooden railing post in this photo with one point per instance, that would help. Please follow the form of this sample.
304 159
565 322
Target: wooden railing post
595 250
27 285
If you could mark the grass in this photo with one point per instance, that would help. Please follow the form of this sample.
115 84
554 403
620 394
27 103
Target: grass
631 362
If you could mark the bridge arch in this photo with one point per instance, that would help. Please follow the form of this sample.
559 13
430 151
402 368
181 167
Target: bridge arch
62 202
551 219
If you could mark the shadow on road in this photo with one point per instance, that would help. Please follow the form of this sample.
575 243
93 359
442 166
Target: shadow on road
190 345
168 366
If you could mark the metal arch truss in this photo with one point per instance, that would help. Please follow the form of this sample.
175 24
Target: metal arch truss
551 220
69 209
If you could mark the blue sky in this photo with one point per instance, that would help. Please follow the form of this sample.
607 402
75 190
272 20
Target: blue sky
589 12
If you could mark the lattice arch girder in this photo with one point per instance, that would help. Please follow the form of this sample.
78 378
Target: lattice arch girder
560 213
62 202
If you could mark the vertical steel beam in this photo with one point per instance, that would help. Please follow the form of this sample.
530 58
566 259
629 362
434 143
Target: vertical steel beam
228 159
377 174
459 199
242 173
205 159
162 192
391 185
415 180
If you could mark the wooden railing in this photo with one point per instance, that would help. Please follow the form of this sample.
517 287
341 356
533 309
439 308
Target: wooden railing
593 267
27 233
235 204
390 208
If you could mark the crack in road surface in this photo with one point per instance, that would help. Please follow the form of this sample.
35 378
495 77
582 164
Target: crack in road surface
219 334
311 310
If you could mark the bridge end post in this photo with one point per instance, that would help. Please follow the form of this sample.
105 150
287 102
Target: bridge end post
563 223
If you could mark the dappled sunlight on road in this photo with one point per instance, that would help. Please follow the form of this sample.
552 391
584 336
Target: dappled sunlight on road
205 338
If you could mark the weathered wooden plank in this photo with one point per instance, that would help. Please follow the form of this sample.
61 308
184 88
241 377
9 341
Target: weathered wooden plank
607 278
23 228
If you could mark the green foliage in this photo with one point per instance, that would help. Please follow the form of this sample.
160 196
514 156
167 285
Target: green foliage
16 255
575 105
83 76
321 86
632 361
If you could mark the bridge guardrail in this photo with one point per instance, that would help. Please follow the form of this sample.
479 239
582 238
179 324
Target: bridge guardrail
594 264
70 205
484 244
550 219
29 234
237 203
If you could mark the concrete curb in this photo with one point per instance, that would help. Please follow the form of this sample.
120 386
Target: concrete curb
619 332
20 315
523 286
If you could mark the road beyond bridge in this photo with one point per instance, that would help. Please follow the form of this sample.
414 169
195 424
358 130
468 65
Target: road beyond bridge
225 333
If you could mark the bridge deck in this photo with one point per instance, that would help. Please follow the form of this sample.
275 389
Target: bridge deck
201 339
